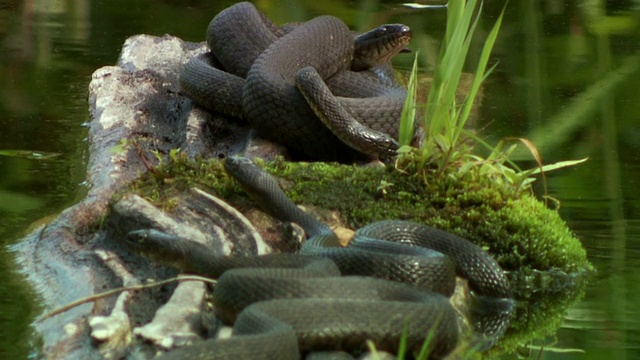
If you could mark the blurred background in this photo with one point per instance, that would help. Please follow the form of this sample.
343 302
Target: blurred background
567 78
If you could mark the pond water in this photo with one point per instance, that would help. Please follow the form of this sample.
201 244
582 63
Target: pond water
566 79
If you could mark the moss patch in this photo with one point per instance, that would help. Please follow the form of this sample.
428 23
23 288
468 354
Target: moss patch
517 229
527 239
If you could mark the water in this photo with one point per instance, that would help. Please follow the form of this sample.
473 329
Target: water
566 79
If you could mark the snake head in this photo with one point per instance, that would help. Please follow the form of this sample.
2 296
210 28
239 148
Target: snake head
386 147
149 242
378 46
238 164
164 248
137 237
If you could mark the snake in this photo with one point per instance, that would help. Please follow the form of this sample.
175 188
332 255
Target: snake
308 86
391 281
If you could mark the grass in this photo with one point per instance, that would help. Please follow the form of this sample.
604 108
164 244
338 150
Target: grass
445 148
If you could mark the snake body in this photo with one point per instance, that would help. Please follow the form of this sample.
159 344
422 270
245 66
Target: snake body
246 44
304 294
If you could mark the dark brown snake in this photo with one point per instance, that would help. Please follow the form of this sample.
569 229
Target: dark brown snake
297 84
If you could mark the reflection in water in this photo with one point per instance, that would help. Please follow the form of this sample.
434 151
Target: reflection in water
567 78
489 318
38 113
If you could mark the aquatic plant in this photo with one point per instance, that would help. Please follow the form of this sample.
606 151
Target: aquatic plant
445 147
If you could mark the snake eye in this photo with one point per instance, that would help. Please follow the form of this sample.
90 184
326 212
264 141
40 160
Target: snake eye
137 236
382 30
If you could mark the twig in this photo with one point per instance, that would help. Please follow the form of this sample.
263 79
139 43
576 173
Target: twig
107 293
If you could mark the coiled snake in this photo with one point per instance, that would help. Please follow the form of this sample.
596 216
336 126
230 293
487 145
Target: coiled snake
299 303
301 89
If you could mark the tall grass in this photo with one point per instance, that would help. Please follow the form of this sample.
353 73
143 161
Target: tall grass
445 147
444 119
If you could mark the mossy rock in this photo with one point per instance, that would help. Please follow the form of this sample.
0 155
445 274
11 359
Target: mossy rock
516 228
528 239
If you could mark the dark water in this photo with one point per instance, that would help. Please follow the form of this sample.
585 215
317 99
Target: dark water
567 78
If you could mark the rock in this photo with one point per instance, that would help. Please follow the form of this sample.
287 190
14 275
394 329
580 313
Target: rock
113 332
178 321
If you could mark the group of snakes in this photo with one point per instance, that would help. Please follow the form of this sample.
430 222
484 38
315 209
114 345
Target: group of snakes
327 94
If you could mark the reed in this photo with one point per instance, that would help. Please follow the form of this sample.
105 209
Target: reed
445 147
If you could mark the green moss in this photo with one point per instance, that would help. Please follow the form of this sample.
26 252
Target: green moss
517 229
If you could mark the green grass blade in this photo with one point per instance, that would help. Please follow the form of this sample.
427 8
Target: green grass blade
428 342
448 72
558 165
455 124
444 120
408 116
455 10
480 71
